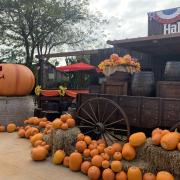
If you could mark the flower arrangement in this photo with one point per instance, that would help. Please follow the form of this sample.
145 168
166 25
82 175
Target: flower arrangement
117 63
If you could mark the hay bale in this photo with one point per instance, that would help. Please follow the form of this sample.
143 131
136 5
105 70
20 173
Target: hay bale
160 158
65 140
48 139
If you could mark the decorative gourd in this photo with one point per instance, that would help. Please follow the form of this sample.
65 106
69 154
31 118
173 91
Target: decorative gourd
117 156
116 166
94 173
17 80
85 166
80 137
164 175
137 139
2 128
21 133
87 139
75 161
149 176
36 137
86 153
117 147
156 138
81 146
66 161
121 176
97 161
105 164
134 173
57 123
71 123
39 153
170 141
108 174
128 152
58 157
11 127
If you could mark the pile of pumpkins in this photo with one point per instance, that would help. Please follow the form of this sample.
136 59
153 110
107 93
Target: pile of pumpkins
166 139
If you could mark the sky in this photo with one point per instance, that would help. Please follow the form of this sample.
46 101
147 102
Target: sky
128 18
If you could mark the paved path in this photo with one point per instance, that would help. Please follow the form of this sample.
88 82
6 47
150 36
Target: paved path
16 163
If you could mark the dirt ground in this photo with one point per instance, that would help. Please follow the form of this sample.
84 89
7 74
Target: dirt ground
16 163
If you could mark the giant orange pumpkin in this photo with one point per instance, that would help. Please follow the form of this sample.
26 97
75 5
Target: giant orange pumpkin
15 80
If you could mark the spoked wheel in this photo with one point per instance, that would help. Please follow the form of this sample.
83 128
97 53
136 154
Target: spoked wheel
176 126
103 118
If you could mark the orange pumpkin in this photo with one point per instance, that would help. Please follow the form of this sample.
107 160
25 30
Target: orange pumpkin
11 127
97 161
71 122
2 128
164 175
117 147
75 161
42 124
81 146
157 130
105 156
164 132
64 126
178 146
87 139
105 164
121 176
100 148
17 80
66 161
170 141
117 156
39 153
58 157
94 152
21 133
137 139
149 176
85 166
116 166
36 137
156 138
65 117
86 153
57 123
94 173
92 146
128 152
108 174
109 150
80 137
134 173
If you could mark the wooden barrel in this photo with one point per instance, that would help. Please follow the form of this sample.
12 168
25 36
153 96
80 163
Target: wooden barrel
172 71
143 84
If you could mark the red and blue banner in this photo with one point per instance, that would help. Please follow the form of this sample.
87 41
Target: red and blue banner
167 16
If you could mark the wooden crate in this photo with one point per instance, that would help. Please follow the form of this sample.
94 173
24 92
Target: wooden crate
168 89
115 88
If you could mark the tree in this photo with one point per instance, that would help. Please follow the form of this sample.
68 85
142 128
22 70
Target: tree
41 25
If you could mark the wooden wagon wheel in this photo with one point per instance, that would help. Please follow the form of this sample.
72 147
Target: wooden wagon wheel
103 118
176 126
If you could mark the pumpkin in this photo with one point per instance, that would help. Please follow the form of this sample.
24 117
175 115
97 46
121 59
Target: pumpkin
65 117
21 133
117 156
149 176
170 141
38 143
94 173
34 131
109 150
121 176
178 146
66 161
100 148
71 122
86 153
47 147
42 124
36 137
58 157
156 138
101 141
81 146
92 146
134 173
137 139
164 132
64 126
116 166
94 152
87 139
128 152
80 137
117 147
28 132
2 128
157 130
17 80
105 156
97 160
105 164
85 166
75 161
57 123
164 175
38 153
108 174
34 120
11 127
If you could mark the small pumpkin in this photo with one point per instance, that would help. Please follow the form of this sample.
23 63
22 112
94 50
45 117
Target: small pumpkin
11 127
2 128
94 173
58 157
71 123
87 139
57 123
105 156
149 176
66 161
156 139
164 132
121 176
38 153
80 137
170 141
94 152
164 175
86 153
134 173
116 166
85 166
157 130
65 117
97 161
75 161
92 146
42 124
117 147
109 150
128 152
21 133
64 126
36 137
137 139
100 148
81 146
105 164
108 174
117 156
